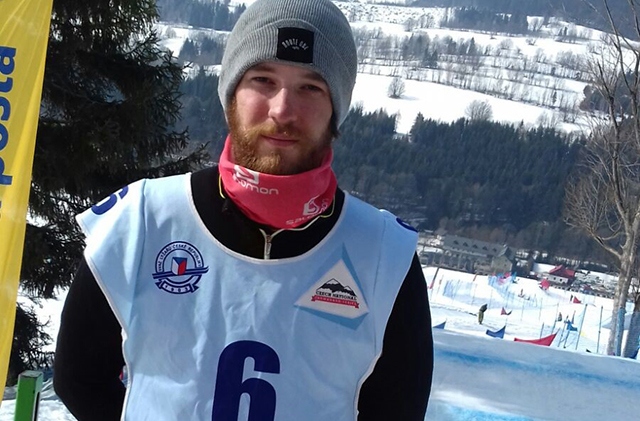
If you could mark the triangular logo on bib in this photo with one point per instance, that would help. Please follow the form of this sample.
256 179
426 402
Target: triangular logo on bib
337 293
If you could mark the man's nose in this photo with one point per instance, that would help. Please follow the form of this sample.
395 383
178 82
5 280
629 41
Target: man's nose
282 108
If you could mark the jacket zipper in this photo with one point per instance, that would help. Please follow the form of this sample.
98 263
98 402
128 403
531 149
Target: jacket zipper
268 238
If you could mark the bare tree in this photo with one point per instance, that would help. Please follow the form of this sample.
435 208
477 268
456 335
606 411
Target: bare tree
396 88
571 34
535 24
506 44
603 199
548 120
539 56
479 111
427 21
410 24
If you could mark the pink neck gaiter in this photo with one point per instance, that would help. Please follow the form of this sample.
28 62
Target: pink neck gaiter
278 201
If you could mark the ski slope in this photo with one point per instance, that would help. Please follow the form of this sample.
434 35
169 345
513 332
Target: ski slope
477 377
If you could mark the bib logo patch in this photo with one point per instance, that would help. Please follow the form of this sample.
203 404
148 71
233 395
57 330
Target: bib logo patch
179 267
336 293
295 44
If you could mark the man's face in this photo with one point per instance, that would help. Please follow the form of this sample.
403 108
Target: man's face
279 119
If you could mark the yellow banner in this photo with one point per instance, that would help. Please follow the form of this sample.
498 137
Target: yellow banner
24 30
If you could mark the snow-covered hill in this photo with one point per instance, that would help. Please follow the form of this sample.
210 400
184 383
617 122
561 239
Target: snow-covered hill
535 79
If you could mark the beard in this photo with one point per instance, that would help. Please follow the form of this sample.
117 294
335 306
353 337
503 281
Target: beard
312 148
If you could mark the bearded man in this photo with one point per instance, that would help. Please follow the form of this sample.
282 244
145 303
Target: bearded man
256 289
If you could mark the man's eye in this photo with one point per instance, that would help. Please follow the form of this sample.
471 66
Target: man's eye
313 88
261 79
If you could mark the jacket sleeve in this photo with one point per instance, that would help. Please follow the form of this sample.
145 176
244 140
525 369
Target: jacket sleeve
399 386
88 357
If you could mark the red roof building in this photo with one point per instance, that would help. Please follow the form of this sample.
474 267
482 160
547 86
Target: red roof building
561 275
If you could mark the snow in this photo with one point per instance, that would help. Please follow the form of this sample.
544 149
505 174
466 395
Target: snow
477 377
434 101
438 101
448 103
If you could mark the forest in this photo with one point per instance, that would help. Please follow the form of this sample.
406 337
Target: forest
493 181
575 11
498 70
214 14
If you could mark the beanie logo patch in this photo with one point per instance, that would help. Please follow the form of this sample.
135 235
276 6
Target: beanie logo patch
295 44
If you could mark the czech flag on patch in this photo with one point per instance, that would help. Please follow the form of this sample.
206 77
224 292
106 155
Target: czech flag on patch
179 265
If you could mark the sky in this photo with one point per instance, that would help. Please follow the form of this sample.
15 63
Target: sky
478 377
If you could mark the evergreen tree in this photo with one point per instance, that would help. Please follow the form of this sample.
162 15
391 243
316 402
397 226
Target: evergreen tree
188 52
202 113
110 100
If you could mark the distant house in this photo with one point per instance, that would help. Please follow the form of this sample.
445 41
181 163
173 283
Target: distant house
560 275
469 255
504 261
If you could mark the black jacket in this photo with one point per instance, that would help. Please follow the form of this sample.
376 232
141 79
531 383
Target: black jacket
89 359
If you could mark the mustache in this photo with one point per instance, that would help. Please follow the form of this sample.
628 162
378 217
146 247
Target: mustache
271 129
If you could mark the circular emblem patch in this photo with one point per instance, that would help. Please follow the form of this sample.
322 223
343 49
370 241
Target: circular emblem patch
179 267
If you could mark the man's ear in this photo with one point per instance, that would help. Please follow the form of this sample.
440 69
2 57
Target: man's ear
335 132
230 108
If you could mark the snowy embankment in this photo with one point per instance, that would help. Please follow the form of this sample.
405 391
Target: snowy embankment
478 377
483 378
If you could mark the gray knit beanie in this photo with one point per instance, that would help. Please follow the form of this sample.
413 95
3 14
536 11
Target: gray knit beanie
313 34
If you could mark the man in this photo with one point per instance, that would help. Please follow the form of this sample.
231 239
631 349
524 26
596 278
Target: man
255 289
481 311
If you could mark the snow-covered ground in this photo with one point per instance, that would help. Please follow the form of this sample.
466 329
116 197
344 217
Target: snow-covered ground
478 377
425 91
436 101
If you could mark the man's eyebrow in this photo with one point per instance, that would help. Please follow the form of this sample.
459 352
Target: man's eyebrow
309 74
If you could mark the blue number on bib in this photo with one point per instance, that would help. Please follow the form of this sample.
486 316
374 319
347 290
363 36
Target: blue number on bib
229 384
110 201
